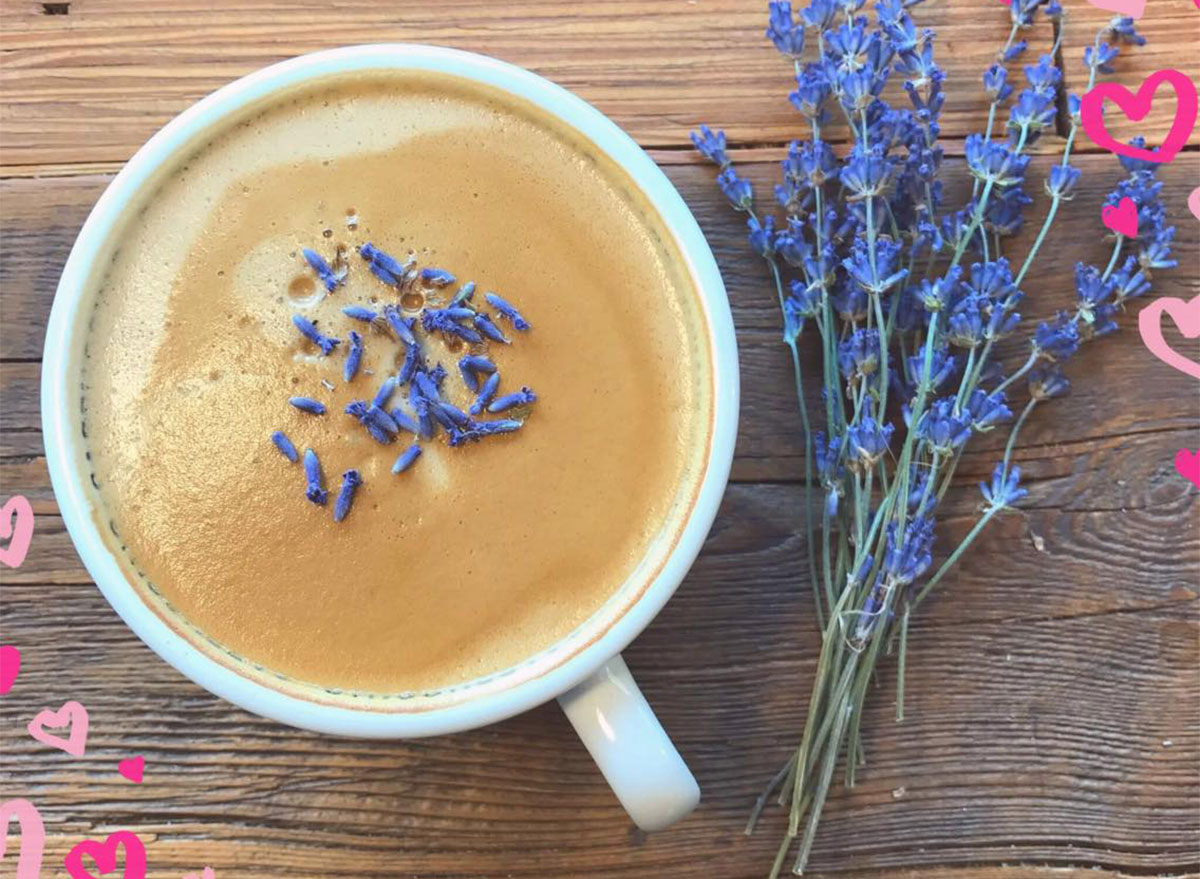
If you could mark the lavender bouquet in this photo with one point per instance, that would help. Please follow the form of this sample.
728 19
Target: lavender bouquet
907 298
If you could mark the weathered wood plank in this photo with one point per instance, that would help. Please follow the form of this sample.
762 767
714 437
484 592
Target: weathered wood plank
43 216
1054 727
94 84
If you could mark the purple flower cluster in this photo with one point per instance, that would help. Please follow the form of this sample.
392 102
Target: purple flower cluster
906 298
428 412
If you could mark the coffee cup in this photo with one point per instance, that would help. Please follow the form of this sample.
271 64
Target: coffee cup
584 671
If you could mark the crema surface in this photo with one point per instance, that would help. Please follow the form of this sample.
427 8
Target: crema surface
480 555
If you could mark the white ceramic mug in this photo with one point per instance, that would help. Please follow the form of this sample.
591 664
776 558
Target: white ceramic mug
585 670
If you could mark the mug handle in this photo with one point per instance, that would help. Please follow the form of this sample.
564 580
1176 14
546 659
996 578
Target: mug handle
630 746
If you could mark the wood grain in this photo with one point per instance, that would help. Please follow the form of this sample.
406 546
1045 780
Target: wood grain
1053 703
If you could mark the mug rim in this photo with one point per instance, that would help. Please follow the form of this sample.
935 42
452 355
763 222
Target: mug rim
68 479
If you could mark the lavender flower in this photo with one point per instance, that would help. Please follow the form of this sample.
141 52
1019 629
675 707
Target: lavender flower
351 480
442 320
387 268
406 459
384 394
279 438
711 146
469 365
508 311
309 330
404 421
1004 490
465 293
365 416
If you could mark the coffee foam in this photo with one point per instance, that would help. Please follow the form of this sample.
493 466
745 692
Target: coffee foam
478 557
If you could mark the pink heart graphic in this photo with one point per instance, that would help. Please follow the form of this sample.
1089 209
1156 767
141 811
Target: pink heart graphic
1187 463
1194 198
1129 8
71 714
209 873
1136 107
105 856
10 664
1186 316
16 521
132 767
33 837
1121 217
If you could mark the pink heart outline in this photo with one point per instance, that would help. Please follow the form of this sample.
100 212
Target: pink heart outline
33 836
72 714
208 873
131 768
1129 8
1187 465
104 854
1186 316
1135 107
1194 198
1121 217
10 666
16 521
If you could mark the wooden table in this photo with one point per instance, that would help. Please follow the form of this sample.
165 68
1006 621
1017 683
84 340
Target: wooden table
1053 706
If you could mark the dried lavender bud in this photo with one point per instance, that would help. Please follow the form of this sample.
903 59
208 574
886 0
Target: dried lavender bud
507 310
438 320
359 312
464 294
479 429
383 266
459 312
312 474
484 324
359 410
521 397
426 387
438 375
486 393
477 363
381 419
385 392
404 421
413 361
420 406
400 327
351 480
441 417
327 275
308 404
285 446
457 417
436 277
309 330
406 459
468 376
353 357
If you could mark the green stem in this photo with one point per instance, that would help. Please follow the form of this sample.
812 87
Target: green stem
901 661
957 554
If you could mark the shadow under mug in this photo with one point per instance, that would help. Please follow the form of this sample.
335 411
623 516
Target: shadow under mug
585 672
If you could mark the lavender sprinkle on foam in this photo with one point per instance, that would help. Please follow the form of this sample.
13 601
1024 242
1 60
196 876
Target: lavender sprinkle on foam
309 330
279 438
508 310
308 404
351 480
359 312
312 473
484 324
486 393
353 357
385 391
399 325
404 421
520 398
464 294
328 277
406 459
437 277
